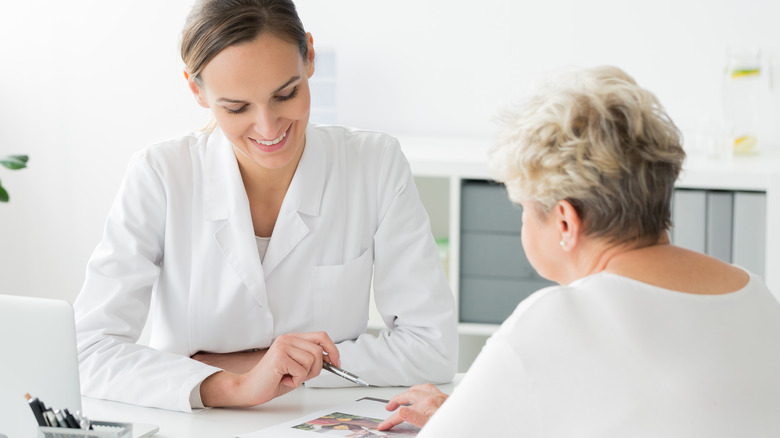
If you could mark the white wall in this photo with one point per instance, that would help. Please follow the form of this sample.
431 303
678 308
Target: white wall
85 83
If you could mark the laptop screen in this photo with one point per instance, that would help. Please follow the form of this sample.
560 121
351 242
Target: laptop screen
38 341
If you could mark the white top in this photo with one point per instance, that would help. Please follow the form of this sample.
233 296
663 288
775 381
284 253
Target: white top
262 246
609 356
180 234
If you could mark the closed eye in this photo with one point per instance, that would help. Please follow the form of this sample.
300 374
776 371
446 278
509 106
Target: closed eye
292 94
236 111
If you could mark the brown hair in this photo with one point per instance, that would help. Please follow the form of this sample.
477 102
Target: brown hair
593 137
214 25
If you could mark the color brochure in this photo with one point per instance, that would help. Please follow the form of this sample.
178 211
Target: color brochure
357 419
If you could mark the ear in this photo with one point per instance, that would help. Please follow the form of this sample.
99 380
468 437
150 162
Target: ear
568 223
310 53
197 91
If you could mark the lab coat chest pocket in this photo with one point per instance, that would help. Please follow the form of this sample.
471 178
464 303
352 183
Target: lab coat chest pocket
341 297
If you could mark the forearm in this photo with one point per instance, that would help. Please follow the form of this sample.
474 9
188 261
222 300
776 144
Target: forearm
222 389
239 362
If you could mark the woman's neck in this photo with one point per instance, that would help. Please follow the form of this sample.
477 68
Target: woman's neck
596 255
262 182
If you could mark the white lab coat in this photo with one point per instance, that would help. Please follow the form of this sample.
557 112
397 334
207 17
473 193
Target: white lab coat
180 236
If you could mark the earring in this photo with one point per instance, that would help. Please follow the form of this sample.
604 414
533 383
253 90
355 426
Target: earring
563 245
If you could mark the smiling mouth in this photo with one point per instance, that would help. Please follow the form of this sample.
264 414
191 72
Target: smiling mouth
274 141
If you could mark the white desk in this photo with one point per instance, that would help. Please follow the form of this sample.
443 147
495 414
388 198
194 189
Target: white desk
229 422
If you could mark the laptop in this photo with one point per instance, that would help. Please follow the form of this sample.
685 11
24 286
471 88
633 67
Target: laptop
39 357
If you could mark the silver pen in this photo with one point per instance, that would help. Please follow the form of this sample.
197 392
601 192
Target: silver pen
343 373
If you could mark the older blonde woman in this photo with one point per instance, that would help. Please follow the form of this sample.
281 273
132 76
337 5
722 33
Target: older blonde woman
641 338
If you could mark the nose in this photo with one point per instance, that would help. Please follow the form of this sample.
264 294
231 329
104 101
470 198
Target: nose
267 124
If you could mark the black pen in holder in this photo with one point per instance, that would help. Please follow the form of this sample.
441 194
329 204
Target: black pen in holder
100 429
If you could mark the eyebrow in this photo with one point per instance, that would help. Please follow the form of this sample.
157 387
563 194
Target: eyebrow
286 84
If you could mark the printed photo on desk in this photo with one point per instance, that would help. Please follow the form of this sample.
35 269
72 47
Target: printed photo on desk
358 419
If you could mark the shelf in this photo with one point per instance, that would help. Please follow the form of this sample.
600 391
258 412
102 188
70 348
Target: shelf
470 328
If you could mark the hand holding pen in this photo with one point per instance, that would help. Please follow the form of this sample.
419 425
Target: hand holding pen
290 360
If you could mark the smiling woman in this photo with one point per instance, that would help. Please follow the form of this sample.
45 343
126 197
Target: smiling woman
257 240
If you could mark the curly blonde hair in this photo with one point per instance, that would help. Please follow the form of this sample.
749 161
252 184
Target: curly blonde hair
594 138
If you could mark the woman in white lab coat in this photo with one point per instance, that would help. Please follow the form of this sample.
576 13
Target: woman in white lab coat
255 243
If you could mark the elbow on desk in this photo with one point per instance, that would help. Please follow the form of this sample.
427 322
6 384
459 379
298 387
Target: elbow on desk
438 365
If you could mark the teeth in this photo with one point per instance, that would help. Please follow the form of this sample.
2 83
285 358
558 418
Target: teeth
274 141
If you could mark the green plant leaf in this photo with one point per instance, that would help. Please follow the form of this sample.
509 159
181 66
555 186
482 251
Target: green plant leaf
15 162
3 194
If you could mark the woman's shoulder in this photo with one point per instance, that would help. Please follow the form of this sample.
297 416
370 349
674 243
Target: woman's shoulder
560 303
172 150
538 307
679 269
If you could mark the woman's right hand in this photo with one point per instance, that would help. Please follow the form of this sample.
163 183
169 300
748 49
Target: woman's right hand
417 405
291 360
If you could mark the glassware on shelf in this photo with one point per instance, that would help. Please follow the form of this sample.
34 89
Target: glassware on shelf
745 83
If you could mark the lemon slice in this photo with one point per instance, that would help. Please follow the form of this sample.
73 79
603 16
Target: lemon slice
745 72
744 144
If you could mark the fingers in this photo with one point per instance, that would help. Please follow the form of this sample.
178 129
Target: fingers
412 395
307 349
410 414
416 417
423 401
295 363
391 422
324 342
289 361
306 357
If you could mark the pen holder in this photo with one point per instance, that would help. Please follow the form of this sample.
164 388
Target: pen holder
101 429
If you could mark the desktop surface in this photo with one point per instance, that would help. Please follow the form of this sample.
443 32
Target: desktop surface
229 422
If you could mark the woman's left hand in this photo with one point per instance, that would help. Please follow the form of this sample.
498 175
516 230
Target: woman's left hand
417 406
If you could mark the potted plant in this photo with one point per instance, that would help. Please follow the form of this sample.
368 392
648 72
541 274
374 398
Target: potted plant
13 162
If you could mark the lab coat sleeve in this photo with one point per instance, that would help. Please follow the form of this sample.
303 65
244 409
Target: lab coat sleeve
420 343
113 305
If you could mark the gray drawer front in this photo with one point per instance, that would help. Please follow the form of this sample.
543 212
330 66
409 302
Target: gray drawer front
491 300
728 225
489 254
486 207
749 246
720 215
689 214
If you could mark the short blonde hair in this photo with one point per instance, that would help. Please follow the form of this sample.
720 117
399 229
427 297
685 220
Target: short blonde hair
594 138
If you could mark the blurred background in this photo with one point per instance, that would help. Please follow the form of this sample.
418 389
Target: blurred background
86 83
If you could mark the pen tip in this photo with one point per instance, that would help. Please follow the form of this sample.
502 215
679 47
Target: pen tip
362 382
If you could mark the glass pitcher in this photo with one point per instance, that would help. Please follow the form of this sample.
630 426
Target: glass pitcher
745 83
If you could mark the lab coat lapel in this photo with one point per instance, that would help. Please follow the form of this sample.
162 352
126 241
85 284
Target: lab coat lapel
225 201
301 202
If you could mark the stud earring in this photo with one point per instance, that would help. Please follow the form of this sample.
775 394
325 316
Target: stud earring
563 245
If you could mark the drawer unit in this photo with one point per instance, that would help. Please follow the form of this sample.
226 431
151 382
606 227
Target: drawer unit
492 300
495 275
485 206
728 225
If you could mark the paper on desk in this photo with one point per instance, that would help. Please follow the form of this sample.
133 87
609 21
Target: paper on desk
356 420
